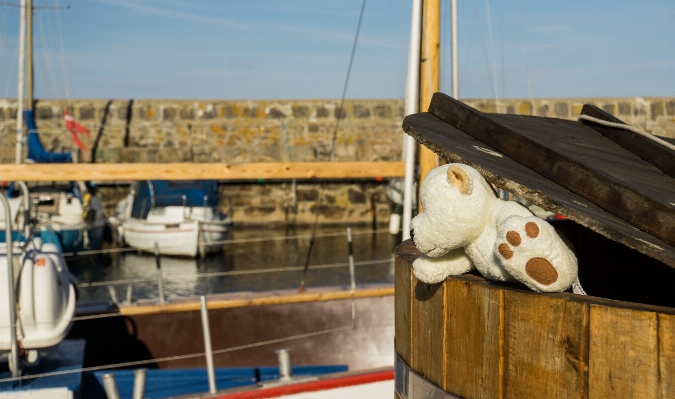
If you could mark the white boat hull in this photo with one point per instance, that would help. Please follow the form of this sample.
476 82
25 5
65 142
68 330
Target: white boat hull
187 238
46 296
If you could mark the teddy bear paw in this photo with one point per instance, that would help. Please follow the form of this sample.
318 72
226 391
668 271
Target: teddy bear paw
434 270
532 252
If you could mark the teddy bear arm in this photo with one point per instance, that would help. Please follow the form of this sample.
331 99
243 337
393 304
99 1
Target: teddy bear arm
434 270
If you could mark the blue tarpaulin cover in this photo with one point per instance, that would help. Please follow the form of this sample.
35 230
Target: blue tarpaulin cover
170 193
36 151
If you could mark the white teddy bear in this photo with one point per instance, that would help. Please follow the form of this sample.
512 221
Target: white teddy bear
465 226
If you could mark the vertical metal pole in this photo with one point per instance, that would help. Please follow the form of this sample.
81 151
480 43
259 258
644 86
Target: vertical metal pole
411 107
26 210
455 67
352 274
110 386
285 369
351 259
207 346
14 353
139 383
160 282
201 244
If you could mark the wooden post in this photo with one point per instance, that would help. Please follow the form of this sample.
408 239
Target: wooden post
429 73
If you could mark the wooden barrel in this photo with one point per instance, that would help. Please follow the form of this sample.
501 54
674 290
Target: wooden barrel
474 338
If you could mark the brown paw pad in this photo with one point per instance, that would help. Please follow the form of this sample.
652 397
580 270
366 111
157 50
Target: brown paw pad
541 271
513 238
505 251
531 229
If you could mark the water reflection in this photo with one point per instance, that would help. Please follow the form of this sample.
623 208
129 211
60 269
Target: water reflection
252 260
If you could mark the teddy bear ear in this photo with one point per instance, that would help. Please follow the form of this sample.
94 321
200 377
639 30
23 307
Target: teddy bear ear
460 179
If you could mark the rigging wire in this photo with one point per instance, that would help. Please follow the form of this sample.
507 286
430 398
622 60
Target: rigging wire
60 49
46 55
485 52
501 34
230 241
493 68
522 44
192 355
338 117
239 272
344 89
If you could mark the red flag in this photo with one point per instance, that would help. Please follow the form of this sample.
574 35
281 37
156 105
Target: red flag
72 125
75 128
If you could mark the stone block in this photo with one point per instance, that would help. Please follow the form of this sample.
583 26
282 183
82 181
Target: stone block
382 111
169 113
340 113
361 112
301 111
187 114
525 108
322 112
108 155
123 112
87 113
561 109
656 108
624 108
670 108
542 110
251 112
146 112
209 112
487 106
356 197
609 108
275 113
44 112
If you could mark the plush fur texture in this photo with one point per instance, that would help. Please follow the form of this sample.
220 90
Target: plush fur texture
465 226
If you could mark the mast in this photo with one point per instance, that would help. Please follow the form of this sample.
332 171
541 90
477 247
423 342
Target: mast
19 97
29 54
455 66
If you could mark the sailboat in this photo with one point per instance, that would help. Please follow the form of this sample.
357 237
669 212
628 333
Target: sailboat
173 217
37 309
74 212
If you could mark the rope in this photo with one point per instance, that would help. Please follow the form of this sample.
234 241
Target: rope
629 128
188 356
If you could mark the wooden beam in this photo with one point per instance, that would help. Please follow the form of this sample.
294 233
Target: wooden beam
429 75
201 171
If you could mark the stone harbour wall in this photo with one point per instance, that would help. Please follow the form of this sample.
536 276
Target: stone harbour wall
127 131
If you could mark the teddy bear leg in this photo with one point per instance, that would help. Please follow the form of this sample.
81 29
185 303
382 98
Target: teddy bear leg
532 252
434 270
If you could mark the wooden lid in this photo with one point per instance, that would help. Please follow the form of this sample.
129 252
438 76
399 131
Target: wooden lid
563 166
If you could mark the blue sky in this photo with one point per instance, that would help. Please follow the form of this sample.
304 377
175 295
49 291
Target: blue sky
295 49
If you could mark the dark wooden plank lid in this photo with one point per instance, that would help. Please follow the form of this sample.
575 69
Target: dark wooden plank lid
661 155
577 158
505 173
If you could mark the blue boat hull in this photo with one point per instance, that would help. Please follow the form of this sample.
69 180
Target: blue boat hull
73 240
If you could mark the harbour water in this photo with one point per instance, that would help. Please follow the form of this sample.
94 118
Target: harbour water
253 259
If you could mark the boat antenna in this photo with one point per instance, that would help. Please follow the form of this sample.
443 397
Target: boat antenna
332 147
